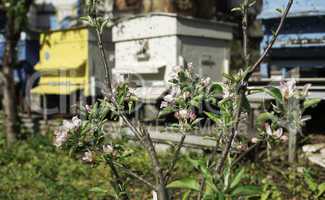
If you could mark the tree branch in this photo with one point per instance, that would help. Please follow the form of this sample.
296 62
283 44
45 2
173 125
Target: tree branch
120 185
243 88
175 157
133 174
273 40
245 34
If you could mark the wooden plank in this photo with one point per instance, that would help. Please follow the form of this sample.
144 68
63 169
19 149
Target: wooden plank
173 137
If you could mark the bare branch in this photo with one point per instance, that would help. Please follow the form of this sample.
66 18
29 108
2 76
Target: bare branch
175 157
243 154
273 40
245 34
133 174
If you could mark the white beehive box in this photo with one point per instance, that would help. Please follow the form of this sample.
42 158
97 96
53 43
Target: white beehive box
149 47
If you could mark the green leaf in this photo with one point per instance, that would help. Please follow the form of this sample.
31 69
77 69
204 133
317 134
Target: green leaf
166 111
214 117
198 120
98 190
229 77
279 10
263 117
216 88
186 196
246 104
237 178
196 101
236 9
312 184
311 103
252 4
186 183
266 195
321 190
247 190
274 92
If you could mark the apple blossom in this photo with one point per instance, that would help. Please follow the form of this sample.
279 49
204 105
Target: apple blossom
108 149
61 136
88 157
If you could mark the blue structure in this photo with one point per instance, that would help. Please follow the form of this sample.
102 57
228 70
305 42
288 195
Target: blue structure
300 48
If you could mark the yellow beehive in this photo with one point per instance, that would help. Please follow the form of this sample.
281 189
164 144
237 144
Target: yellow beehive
69 62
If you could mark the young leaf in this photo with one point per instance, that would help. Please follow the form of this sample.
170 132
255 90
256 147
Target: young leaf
186 196
229 77
247 190
263 117
311 103
214 117
236 9
216 88
166 111
252 4
274 92
310 181
186 183
246 104
98 190
237 178
279 10
321 190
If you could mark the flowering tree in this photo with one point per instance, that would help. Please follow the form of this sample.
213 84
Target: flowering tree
85 139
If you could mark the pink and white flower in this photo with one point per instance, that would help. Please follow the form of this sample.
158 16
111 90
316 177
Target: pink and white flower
88 157
68 125
192 115
284 138
108 149
169 98
276 134
76 122
288 88
61 136
88 108
254 140
206 82
183 114
164 104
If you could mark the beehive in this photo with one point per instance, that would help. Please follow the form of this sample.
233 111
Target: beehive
149 47
70 63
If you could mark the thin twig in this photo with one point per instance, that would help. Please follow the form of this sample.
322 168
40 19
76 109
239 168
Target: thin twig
108 76
233 134
175 157
243 88
120 186
245 34
133 174
273 40
243 154
202 186
141 134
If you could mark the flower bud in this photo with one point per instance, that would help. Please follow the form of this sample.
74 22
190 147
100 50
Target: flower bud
88 157
164 104
76 122
108 149
192 115
254 140
61 136
284 138
88 108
